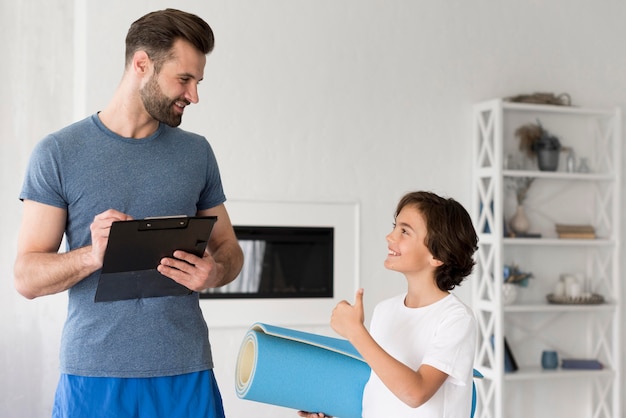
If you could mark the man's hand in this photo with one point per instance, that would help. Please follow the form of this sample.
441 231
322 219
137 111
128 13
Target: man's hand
100 229
39 267
193 272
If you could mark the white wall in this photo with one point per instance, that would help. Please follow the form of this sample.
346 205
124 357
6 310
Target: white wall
36 86
351 101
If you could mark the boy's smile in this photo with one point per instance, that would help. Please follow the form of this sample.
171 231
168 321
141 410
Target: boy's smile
407 252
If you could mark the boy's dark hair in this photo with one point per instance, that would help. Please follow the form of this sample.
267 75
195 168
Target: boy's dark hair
450 235
156 32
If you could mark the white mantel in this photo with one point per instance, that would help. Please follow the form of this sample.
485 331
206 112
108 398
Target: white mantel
343 217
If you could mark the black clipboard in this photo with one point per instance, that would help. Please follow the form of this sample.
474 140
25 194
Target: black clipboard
135 249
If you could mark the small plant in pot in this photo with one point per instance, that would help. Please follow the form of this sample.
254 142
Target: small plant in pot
513 277
537 141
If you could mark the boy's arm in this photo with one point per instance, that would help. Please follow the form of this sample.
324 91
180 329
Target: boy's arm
413 387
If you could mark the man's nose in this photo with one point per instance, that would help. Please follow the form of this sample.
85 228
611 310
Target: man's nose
192 94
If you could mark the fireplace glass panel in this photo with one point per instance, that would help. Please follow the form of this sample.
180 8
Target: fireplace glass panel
282 262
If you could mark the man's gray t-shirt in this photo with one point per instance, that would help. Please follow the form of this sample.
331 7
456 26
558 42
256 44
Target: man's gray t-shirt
86 169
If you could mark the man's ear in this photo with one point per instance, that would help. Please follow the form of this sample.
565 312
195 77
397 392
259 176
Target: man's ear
141 63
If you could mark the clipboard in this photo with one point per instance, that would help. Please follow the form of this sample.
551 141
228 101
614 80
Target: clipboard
135 249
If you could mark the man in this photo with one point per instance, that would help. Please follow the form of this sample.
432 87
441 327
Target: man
143 357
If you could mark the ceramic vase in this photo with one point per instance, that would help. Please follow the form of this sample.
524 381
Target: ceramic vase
549 360
509 293
519 222
548 159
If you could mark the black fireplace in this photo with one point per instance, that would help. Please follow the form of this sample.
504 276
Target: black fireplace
282 262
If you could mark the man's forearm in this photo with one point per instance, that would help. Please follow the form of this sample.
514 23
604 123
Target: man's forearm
40 274
230 257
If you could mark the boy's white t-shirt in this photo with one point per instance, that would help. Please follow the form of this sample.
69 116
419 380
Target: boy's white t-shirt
442 335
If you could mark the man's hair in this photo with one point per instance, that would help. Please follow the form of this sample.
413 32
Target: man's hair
156 32
450 235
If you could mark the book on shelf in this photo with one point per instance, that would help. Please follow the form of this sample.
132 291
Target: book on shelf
525 235
574 228
510 365
575 231
581 364
577 235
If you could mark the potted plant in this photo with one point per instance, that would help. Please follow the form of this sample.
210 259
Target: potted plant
537 141
513 277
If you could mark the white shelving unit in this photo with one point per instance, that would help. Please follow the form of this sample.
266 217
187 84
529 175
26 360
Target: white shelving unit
531 324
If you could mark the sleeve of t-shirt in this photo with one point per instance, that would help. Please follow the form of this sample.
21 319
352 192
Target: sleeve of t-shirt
213 193
42 182
452 349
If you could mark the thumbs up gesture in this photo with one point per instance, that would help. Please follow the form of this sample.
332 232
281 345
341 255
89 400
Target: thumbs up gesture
346 318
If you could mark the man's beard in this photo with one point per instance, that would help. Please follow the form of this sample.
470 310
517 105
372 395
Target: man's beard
158 105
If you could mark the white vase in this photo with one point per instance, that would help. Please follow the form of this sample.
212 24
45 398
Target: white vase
519 222
509 293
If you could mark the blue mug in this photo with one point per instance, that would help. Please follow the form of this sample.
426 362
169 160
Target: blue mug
549 360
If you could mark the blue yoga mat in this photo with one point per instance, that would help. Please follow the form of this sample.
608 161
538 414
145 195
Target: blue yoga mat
301 371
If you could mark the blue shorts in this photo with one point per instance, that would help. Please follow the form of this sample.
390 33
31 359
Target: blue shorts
186 396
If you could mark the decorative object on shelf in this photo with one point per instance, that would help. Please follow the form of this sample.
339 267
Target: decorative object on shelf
523 235
519 185
527 135
559 289
513 278
519 222
513 275
549 360
572 288
583 167
513 162
570 161
562 99
509 293
510 365
591 299
581 364
548 159
537 141
575 231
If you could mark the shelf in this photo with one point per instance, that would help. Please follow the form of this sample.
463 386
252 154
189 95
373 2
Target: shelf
563 242
558 175
486 172
546 307
563 110
536 373
573 198
547 242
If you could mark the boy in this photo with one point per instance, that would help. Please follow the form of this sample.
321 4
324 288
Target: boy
421 344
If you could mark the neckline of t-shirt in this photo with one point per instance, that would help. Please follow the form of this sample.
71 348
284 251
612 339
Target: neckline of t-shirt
96 119
403 303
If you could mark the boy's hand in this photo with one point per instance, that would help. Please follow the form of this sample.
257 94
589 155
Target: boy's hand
347 319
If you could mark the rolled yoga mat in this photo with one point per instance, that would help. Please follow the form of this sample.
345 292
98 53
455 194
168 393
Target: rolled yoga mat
302 371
